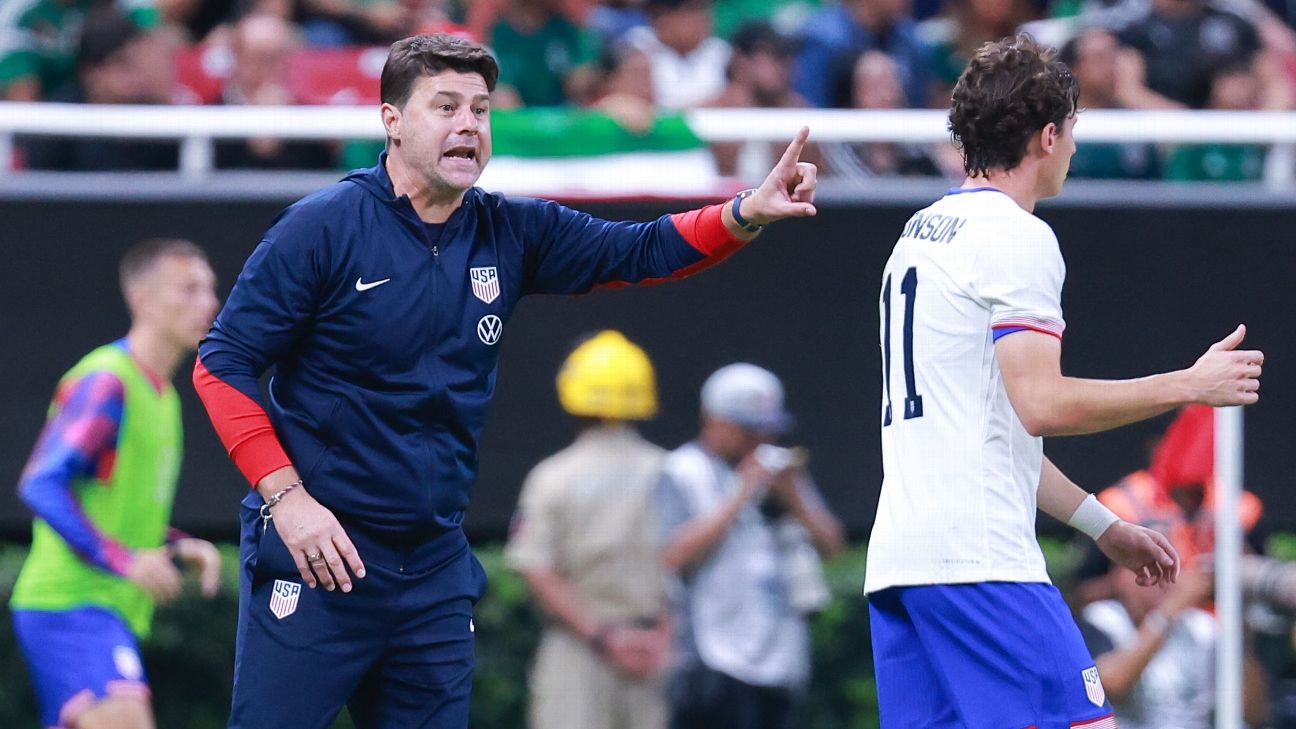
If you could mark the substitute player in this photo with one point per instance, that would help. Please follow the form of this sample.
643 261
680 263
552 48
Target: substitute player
380 302
101 482
967 631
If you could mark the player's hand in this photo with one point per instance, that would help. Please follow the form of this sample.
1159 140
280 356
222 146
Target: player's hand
203 556
318 545
1145 552
1226 375
152 571
789 189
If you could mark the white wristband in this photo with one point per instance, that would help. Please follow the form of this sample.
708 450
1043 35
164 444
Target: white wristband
1092 518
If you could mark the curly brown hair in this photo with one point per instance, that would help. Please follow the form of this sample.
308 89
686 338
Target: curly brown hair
427 55
1011 89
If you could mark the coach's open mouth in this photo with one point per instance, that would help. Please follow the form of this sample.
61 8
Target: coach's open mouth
461 153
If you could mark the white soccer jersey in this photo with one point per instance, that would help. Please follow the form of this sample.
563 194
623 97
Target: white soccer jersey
960 471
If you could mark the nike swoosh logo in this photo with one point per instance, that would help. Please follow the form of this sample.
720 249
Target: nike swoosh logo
362 286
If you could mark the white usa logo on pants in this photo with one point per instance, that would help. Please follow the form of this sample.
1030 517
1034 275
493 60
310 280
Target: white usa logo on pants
283 598
1093 686
485 283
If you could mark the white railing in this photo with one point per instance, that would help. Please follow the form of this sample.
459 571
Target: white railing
1228 555
196 127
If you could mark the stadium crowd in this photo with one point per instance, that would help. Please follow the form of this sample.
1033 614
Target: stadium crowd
634 59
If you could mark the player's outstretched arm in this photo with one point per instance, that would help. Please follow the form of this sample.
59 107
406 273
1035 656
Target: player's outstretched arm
1049 403
1144 551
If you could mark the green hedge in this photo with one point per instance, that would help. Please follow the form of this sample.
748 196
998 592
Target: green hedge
191 652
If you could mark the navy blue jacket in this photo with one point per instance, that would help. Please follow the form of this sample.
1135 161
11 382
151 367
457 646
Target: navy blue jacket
384 351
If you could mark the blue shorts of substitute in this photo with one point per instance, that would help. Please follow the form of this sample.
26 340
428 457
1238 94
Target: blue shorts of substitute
992 655
397 651
76 658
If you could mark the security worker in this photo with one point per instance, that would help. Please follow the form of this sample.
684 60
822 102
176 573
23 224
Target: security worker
584 539
1174 495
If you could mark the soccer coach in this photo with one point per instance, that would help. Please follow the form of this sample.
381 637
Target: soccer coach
380 302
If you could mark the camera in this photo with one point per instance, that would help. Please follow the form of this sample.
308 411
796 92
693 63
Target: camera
1270 581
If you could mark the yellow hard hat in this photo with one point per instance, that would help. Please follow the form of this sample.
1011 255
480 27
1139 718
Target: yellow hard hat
608 376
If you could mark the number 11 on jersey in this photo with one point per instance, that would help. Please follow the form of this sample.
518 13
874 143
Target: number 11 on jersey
912 401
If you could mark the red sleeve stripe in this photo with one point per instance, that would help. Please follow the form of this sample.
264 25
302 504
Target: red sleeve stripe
704 229
243 426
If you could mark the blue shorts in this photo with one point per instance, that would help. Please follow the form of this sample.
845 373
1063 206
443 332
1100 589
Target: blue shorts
992 655
77 657
397 651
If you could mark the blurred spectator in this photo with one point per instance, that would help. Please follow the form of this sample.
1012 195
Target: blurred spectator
786 15
743 528
624 90
688 61
836 36
433 16
876 85
1154 648
194 21
349 22
760 76
1111 77
760 70
1185 42
960 29
38 43
545 59
614 18
261 46
585 540
118 62
1234 87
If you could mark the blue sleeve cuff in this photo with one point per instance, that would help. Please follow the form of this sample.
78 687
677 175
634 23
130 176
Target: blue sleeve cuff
1005 331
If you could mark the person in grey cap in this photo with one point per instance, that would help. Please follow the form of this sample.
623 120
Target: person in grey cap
743 531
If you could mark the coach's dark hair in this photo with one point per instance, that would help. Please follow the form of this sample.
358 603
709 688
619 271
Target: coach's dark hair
427 55
1010 90
140 257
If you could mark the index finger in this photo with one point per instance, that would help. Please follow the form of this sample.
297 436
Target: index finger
793 152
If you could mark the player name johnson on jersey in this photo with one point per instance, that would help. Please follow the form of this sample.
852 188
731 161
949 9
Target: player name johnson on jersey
960 470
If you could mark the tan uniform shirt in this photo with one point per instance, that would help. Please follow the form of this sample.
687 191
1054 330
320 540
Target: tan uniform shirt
586 512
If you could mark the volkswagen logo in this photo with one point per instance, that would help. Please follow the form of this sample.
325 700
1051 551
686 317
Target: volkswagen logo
489 329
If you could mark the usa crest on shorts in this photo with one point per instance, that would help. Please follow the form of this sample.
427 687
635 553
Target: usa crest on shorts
485 283
1093 686
283 598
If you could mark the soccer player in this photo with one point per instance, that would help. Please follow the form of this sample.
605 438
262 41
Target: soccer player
967 631
380 302
101 481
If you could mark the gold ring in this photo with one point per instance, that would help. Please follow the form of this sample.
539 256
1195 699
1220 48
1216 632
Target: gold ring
316 557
